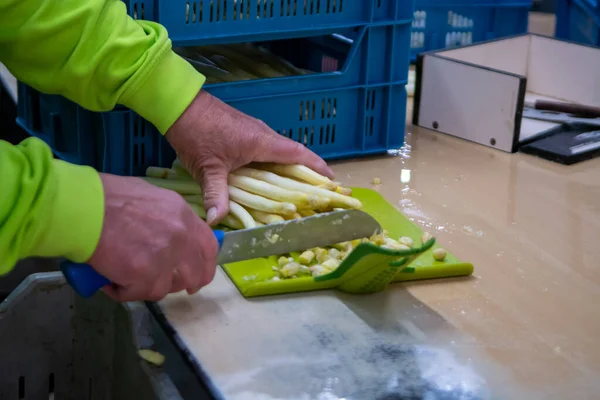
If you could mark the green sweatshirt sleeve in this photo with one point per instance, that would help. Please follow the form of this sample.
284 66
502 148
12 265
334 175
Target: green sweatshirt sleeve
41 203
93 53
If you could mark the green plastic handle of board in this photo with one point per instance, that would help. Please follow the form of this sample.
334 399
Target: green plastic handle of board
370 268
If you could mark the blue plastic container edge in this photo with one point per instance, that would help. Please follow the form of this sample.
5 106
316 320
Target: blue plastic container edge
373 128
437 25
357 111
200 22
577 21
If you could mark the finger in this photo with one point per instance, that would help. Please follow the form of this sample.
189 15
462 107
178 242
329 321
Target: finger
178 282
213 181
189 277
283 150
154 291
123 294
160 287
205 259
209 275
194 290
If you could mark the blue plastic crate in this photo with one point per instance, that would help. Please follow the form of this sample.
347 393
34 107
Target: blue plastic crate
118 142
578 21
192 22
594 5
355 105
376 55
442 24
338 123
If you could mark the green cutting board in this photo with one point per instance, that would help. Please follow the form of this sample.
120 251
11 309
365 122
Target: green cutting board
253 277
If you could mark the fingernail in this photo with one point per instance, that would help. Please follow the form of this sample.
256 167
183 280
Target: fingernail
211 216
193 290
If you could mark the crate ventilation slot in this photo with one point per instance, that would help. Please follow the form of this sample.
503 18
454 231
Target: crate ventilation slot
309 136
243 10
458 38
459 21
139 11
139 145
417 39
313 110
419 19
371 103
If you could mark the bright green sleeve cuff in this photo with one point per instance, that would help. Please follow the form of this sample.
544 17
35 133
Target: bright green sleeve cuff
75 219
166 92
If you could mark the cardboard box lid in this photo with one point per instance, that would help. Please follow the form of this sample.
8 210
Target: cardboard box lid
478 92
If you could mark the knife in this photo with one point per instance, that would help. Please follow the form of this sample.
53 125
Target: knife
286 237
579 110
558 117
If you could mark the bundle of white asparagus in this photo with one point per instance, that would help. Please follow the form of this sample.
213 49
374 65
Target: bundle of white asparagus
266 194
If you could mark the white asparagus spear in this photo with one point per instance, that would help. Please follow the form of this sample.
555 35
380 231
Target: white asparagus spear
300 172
197 204
265 218
336 199
260 203
240 213
229 220
265 189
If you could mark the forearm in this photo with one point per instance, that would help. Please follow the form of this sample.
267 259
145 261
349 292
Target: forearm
93 53
48 208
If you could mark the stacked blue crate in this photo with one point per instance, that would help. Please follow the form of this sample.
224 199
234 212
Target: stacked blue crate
353 105
226 21
578 21
439 24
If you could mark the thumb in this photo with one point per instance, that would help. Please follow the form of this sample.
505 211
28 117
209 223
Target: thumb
213 182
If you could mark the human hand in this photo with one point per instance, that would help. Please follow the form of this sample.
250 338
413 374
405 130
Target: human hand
152 243
213 139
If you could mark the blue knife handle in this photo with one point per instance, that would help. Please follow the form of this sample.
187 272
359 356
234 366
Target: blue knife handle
86 281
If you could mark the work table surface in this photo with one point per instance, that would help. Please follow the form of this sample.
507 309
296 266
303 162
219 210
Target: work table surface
526 325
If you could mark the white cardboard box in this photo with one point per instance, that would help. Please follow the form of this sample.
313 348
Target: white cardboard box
478 92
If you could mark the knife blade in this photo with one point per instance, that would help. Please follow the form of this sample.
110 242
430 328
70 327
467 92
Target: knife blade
296 235
290 236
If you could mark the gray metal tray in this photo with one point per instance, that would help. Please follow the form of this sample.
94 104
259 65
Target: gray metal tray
55 345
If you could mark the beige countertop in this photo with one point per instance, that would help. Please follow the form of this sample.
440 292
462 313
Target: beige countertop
525 326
